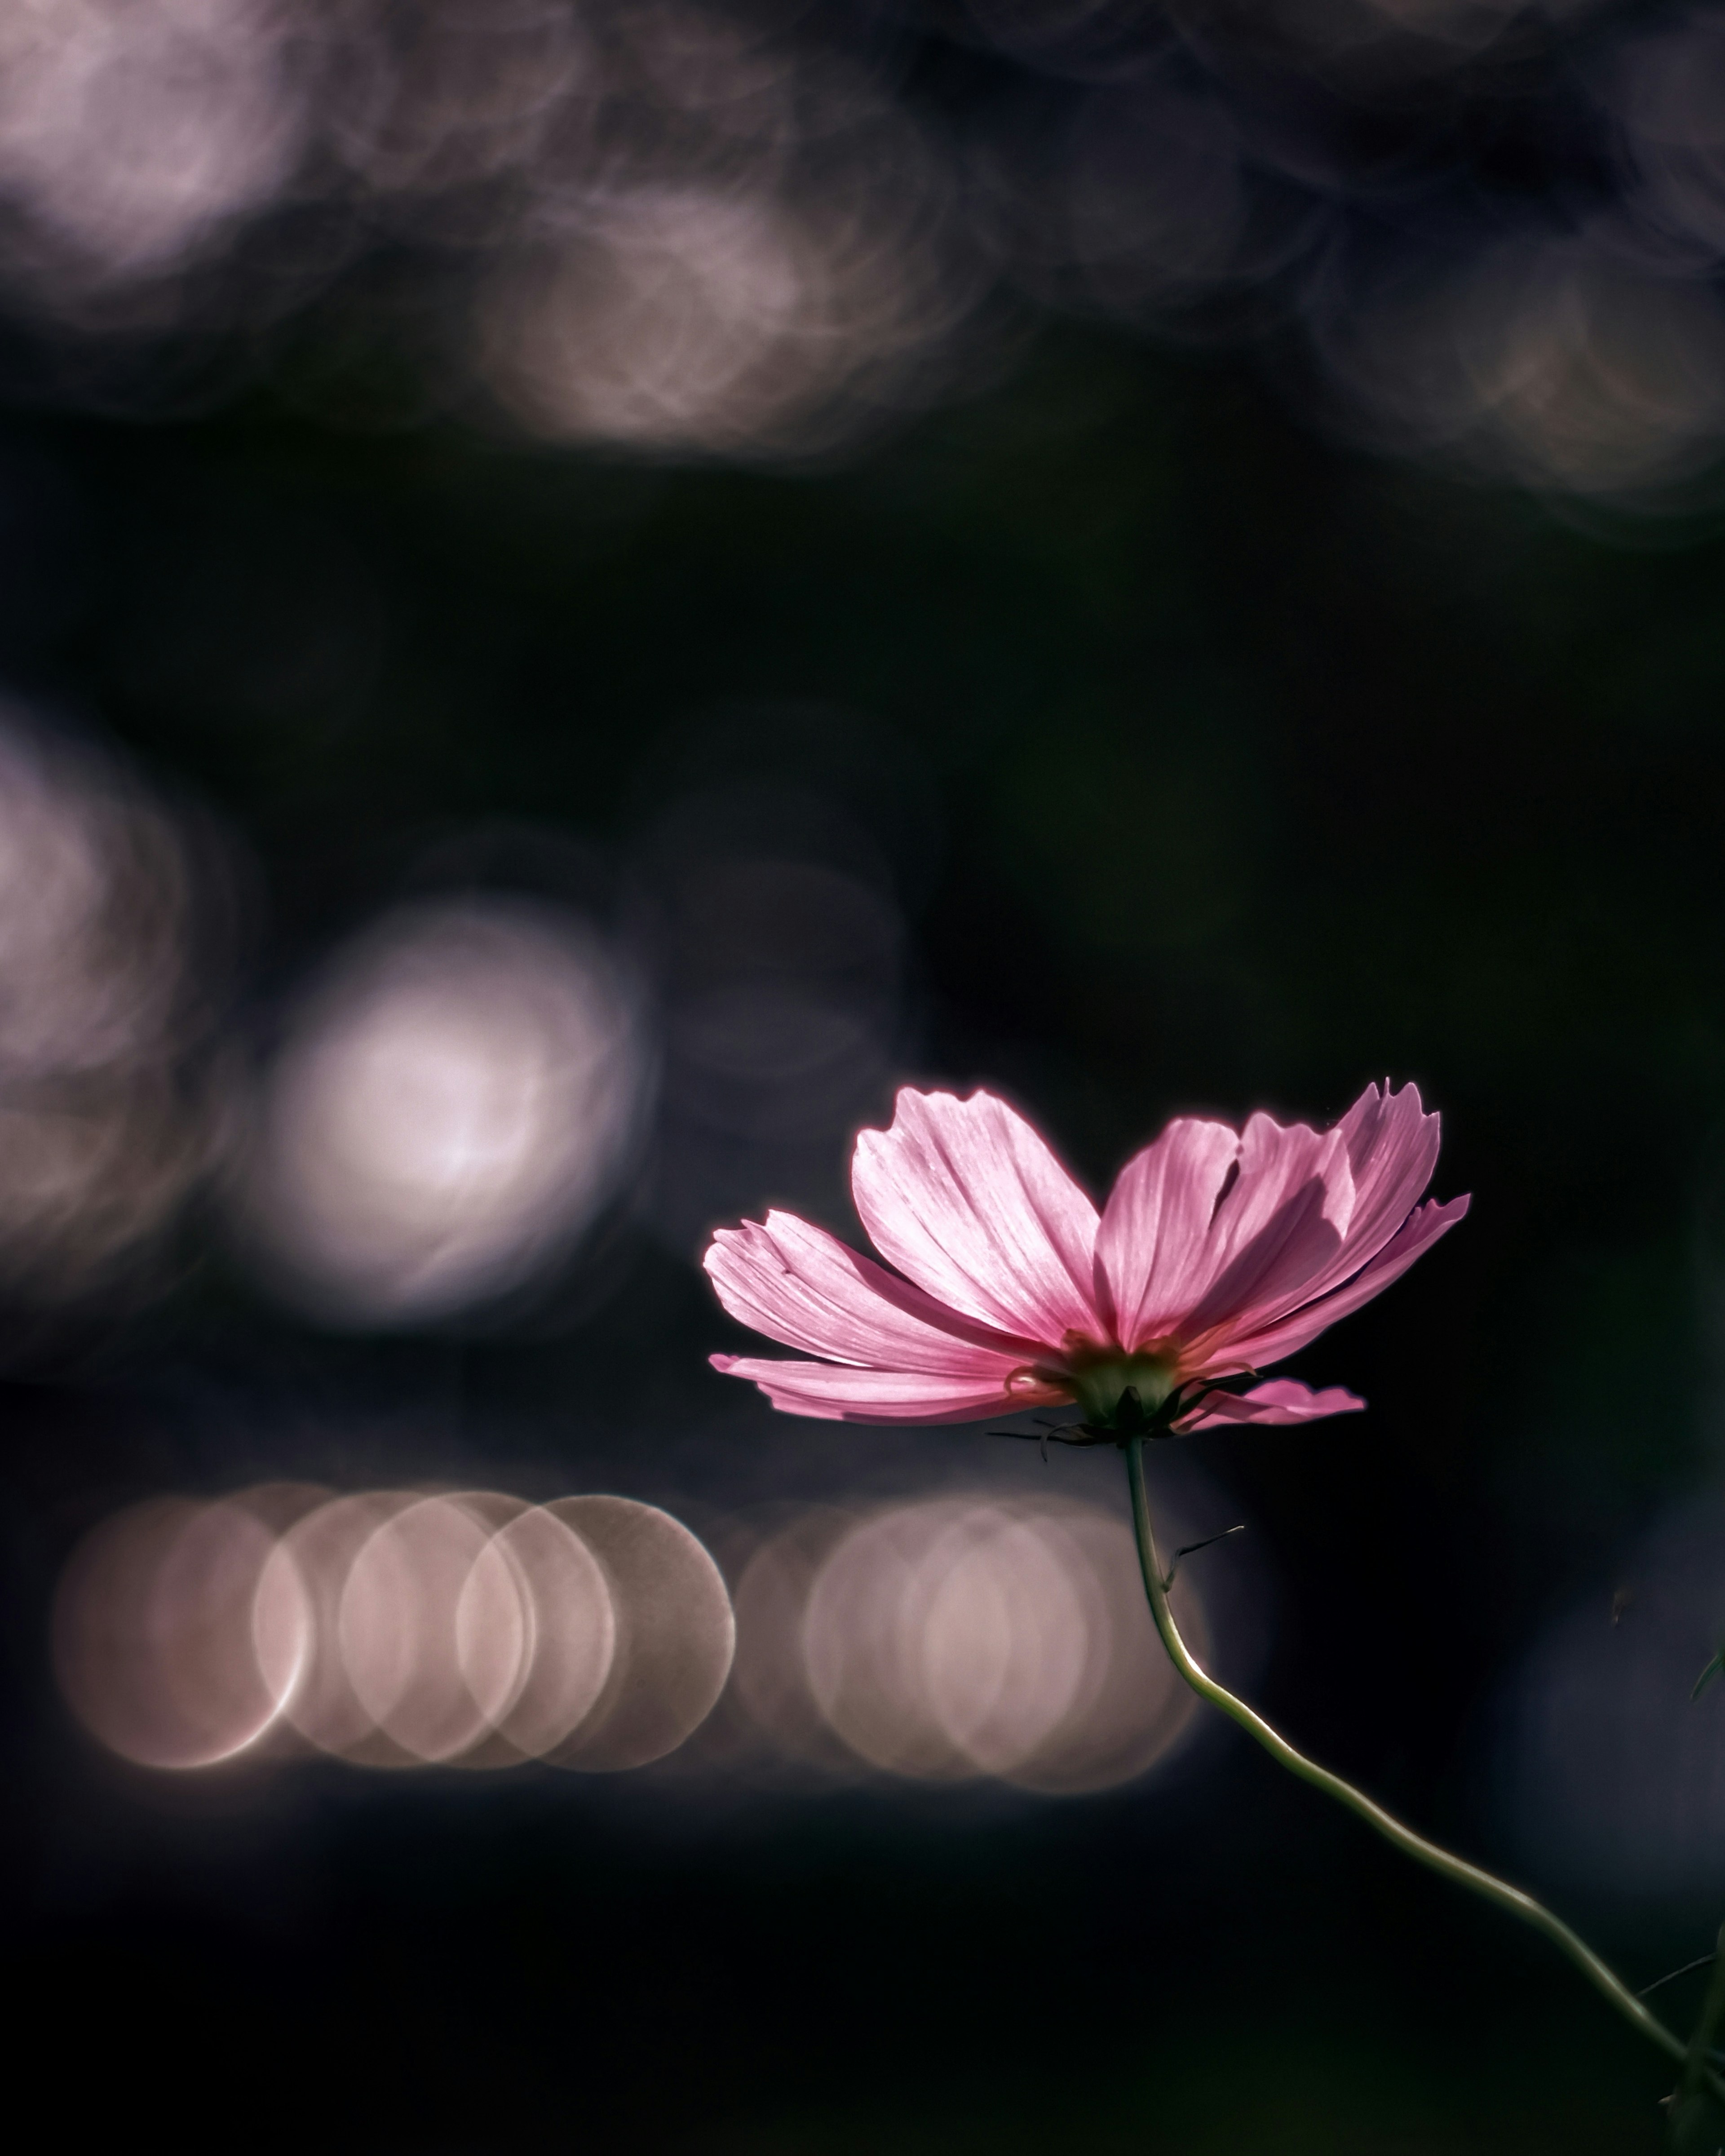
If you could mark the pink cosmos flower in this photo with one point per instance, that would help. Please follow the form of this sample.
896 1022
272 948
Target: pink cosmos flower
1219 1251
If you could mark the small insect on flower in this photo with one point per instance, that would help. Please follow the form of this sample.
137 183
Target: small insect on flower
1219 1251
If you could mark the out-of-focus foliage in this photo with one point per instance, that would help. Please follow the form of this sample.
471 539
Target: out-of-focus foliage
585 589
1486 231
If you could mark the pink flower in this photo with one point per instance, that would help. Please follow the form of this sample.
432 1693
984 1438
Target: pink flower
1219 1251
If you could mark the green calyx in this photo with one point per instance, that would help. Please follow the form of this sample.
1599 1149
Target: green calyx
1125 1394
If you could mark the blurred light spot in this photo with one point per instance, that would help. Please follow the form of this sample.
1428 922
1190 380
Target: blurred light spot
680 316
103 1126
436 1649
88 1171
1005 1637
717 64
452 1106
675 1633
1130 1708
93 899
308 1570
447 93
1612 1779
130 130
1556 362
770 1681
393 1628
759 252
873 1641
538 1564
689 229
956 1637
942 1641
152 1635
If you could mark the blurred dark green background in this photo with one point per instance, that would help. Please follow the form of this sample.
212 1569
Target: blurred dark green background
1247 770
1196 756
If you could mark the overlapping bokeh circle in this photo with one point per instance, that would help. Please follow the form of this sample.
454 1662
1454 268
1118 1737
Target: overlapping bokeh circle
956 1638
719 229
942 1640
392 1627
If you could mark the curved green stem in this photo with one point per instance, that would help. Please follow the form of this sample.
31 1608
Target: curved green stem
1428 1853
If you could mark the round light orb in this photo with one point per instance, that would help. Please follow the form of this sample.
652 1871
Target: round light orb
863 1641
675 1633
956 1637
537 1564
152 1639
1131 1709
434 1647
451 1108
131 131
308 1570
770 1682
1008 1632
102 1129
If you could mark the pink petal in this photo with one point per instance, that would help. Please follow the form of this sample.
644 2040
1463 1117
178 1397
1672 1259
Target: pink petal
1392 1145
834 1395
1282 1401
1420 1230
1278 1228
797 1284
1392 1149
965 1199
1152 1253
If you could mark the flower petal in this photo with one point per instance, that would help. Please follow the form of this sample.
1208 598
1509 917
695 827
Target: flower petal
1277 1230
1153 1247
1287 1336
1391 1150
833 1394
1282 1401
796 1283
965 1199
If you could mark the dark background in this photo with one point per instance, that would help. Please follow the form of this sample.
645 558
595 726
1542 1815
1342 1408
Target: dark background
1215 763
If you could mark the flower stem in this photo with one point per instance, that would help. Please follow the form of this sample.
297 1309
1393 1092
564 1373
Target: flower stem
1428 1853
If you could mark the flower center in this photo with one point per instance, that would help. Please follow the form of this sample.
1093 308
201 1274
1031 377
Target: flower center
1101 1386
